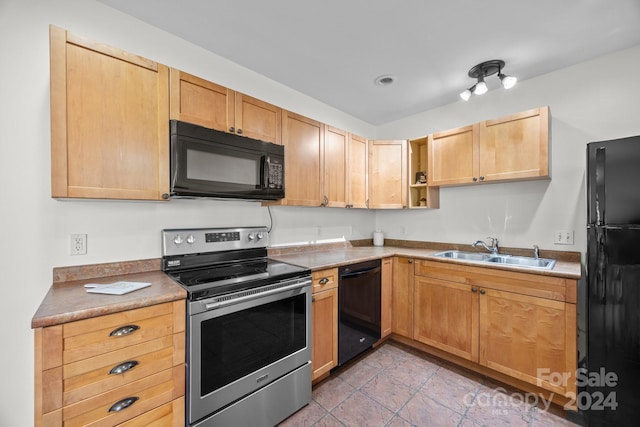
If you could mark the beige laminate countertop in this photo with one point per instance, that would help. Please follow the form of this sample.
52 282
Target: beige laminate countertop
336 257
68 301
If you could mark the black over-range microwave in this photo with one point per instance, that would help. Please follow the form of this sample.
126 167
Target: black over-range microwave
210 163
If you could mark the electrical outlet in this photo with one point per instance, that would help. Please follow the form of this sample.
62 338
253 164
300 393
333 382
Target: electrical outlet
563 237
78 244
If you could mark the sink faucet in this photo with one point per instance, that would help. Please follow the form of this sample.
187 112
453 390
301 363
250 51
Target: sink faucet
493 248
536 251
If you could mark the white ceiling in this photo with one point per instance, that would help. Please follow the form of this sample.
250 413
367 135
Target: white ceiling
332 50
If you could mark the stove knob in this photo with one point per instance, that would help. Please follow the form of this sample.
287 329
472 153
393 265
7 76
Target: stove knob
250 236
178 239
259 236
190 239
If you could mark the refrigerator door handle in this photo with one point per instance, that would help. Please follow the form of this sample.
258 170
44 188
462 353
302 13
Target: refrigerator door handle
600 187
601 265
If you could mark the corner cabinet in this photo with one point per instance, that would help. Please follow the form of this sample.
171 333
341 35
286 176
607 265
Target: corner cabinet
109 121
199 101
388 174
324 312
126 367
511 148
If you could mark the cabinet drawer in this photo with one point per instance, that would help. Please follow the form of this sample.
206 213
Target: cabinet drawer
536 285
324 279
144 394
169 414
98 374
99 335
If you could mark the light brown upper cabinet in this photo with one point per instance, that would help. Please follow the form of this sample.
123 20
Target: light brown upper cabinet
109 121
336 145
453 156
388 174
357 191
421 194
303 140
208 104
514 147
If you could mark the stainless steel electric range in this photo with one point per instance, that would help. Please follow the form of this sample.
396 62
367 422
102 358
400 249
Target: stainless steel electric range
248 326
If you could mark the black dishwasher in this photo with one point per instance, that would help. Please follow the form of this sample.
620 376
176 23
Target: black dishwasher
358 309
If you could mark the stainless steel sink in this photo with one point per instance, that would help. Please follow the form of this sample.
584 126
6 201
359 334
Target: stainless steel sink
515 261
467 256
523 261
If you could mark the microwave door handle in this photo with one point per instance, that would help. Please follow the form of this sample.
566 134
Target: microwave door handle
266 165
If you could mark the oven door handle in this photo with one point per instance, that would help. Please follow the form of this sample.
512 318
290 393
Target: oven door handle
220 304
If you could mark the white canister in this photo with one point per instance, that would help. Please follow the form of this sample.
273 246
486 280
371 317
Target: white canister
378 238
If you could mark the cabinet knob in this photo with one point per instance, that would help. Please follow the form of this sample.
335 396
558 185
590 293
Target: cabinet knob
165 196
232 129
482 178
324 281
410 261
475 179
239 131
474 289
482 291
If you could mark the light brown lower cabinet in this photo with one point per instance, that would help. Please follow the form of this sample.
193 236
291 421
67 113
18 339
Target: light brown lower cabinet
402 297
521 325
125 367
324 333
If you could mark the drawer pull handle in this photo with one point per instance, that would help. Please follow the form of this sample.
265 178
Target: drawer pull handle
124 330
123 404
324 281
123 367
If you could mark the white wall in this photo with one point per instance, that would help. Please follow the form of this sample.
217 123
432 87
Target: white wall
35 237
592 101
36 228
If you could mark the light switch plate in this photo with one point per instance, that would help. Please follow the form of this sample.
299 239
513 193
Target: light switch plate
563 237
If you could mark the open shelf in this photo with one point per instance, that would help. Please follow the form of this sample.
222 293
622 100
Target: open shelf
421 196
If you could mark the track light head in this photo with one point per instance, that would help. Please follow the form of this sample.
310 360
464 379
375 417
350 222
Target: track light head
507 81
481 87
466 94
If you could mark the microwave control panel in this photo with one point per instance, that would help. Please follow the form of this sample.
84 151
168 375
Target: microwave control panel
276 174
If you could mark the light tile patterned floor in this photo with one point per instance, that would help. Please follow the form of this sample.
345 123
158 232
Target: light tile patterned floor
396 386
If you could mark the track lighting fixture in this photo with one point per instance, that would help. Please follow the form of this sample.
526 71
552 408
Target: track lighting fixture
482 70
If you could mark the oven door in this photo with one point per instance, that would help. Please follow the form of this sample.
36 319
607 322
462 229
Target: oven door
241 345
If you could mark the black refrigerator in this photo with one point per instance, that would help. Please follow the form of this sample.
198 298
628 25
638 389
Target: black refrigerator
611 392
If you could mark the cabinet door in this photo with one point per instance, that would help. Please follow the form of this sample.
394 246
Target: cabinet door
257 119
357 172
386 297
446 316
402 297
303 140
515 147
453 156
388 174
335 167
109 121
324 332
520 334
201 102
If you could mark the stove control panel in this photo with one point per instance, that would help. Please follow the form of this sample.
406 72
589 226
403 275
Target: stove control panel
199 240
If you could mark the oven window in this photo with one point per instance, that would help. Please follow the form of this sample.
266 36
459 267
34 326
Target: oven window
242 342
